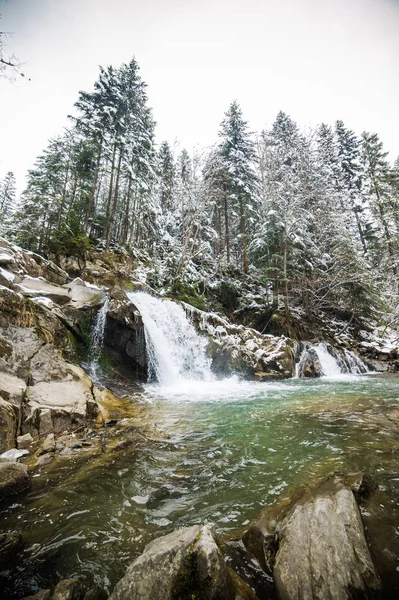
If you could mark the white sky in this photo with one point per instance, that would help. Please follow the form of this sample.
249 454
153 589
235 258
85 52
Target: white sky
318 60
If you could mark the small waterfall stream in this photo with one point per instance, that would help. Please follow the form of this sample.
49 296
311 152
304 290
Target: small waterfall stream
333 364
98 330
176 352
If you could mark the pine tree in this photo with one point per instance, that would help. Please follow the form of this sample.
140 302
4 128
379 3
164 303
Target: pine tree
240 186
7 201
378 189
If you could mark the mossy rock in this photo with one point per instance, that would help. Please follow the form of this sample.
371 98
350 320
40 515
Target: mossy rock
188 294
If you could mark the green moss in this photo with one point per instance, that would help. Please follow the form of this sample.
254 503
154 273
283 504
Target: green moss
188 294
187 585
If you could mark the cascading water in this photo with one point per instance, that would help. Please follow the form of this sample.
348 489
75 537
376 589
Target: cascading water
354 363
98 330
331 365
175 351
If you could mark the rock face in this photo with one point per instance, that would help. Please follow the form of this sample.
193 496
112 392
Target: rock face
183 564
39 391
14 480
239 349
125 331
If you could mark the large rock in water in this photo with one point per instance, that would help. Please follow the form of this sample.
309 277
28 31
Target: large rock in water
184 564
309 365
323 553
14 480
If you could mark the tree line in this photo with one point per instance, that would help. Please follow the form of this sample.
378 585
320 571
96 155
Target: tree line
314 214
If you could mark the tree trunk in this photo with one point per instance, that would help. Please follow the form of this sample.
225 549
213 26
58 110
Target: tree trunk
92 196
226 225
112 214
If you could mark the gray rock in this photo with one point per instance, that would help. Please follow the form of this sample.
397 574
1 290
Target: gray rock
14 480
24 441
182 564
48 444
322 551
8 426
13 454
309 365
38 286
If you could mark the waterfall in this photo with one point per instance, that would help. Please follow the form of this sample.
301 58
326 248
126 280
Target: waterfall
323 360
354 363
175 351
98 329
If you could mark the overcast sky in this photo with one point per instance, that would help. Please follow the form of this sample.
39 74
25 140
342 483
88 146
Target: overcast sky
318 60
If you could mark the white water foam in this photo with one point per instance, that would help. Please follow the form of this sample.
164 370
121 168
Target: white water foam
343 366
176 353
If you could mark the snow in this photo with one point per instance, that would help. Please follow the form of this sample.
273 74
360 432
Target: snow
7 275
6 258
43 301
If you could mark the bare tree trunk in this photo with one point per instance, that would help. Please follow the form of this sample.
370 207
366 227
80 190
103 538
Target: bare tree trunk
92 196
61 205
226 225
110 191
112 214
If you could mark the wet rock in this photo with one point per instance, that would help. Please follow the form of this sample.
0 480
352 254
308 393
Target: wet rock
24 441
186 563
42 595
10 543
125 330
322 551
14 480
248 568
361 484
68 589
95 594
48 444
309 365
8 426
45 459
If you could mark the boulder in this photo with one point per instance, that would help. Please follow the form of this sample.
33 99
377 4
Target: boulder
24 441
83 295
184 564
68 589
14 480
38 286
322 549
309 365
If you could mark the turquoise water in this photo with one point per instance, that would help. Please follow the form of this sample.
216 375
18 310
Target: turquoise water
216 452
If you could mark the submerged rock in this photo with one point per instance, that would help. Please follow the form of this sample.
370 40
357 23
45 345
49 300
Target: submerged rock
183 564
10 543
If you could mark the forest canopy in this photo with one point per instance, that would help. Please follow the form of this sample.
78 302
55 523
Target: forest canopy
314 215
